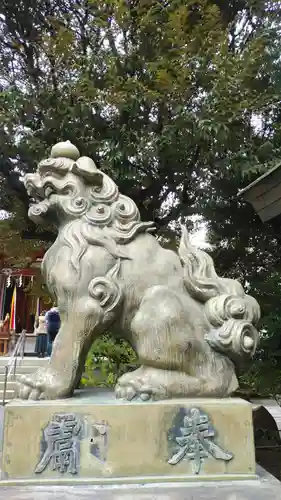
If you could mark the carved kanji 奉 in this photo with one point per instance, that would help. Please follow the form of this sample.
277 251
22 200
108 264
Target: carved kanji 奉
196 442
107 271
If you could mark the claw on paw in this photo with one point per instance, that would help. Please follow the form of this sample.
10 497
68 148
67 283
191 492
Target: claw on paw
44 384
144 384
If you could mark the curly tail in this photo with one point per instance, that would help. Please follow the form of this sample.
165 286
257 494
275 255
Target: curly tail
231 313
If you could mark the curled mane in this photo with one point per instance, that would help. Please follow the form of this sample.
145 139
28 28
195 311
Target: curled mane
116 214
109 219
231 313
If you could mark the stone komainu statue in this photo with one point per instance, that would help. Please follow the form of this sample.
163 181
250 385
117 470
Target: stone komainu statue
106 271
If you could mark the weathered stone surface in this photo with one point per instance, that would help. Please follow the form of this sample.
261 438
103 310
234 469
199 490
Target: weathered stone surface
100 439
188 326
265 488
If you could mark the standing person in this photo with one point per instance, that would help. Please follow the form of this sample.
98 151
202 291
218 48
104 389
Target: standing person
41 345
53 326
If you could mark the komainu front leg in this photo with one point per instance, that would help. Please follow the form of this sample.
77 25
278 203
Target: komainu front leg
86 317
58 378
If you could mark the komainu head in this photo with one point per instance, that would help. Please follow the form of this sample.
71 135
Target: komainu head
68 186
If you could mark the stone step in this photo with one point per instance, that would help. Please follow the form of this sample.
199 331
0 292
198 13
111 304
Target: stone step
23 363
27 368
21 369
4 360
10 394
11 384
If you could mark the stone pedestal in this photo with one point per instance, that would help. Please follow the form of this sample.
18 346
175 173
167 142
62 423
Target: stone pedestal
98 439
264 488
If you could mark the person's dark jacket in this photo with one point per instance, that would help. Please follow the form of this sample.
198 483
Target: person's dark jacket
53 323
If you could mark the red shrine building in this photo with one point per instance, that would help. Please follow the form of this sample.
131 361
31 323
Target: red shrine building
21 299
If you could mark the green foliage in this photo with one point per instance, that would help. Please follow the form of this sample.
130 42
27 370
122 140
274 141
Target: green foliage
179 101
263 379
15 250
107 360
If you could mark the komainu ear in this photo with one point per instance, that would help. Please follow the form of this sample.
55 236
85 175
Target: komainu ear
85 167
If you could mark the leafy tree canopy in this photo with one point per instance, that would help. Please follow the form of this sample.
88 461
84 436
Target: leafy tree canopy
161 94
178 100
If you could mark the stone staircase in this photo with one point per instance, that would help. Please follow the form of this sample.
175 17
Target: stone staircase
25 365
